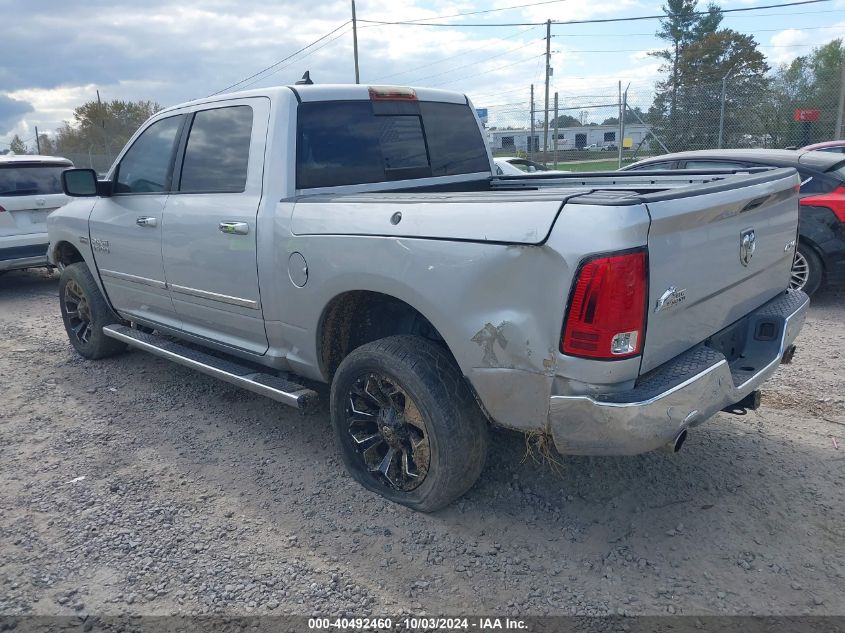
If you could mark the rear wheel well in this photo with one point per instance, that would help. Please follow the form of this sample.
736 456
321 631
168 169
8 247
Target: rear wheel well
811 244
66 253
358 317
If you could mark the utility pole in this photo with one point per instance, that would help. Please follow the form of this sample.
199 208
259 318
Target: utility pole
838 133
548 74
623 106
531 136
619 123
103 125
37 141
355 42
722 113
555 141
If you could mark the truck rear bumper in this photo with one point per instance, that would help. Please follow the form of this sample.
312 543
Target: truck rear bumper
683 392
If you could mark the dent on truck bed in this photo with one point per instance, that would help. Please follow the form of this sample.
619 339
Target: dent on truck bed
491 337
512 374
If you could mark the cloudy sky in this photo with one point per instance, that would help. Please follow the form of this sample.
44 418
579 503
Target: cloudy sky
57 53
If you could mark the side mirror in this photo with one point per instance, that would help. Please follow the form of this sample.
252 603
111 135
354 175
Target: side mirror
79 183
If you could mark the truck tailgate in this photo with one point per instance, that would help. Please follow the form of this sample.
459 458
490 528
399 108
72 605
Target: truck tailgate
701 279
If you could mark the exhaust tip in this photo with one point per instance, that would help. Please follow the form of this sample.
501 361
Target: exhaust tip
679 441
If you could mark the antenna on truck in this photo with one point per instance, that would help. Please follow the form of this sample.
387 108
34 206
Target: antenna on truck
306 79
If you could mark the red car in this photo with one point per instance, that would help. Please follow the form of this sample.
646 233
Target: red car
838 147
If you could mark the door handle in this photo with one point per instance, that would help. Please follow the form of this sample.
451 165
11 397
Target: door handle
146 221
234 228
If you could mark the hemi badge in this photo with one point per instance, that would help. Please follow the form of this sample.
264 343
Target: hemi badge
83 240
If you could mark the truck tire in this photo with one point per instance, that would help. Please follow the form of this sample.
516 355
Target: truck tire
85 312
406 423
807 269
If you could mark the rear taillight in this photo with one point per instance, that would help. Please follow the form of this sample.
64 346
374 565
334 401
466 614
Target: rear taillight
835 201
606 316
2 210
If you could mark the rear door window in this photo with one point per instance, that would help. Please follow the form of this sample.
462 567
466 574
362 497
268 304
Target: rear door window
815 182
663 166
838 172
713 164
31 180
528 166
356 142
217 154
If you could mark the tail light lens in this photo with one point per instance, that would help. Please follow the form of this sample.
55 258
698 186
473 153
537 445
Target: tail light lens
606 316
835 201
392 93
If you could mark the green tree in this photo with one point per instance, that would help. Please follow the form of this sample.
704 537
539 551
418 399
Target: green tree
47 147
681 26
565 120
17 145
687 106
702 67
103 127
808 82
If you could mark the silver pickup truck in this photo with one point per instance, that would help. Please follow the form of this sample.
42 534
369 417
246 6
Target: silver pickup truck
356 236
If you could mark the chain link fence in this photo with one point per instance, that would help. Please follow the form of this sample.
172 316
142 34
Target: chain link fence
722 114
98 162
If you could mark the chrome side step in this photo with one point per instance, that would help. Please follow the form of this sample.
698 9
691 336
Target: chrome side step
269 385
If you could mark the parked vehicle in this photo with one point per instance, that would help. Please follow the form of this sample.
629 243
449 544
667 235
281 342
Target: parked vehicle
836 147
357 236
514 166
30 188
820 256
610 147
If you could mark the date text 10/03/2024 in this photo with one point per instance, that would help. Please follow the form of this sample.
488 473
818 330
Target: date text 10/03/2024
413 624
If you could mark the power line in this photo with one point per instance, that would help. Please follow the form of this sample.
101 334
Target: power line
475 63
461 54
799 28
660 16
658 49
281 61
23 140
296 61
516 6
484 72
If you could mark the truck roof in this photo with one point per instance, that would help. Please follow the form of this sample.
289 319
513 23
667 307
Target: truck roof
776 157
328 92
35 158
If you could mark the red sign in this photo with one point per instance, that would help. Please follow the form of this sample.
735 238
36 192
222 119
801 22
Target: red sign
807 115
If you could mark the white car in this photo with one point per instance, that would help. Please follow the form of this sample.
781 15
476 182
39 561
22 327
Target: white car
30 188
514 166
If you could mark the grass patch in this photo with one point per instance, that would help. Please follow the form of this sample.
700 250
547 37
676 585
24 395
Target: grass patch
604 165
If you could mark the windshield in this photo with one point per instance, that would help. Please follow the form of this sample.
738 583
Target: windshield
528 166
31 180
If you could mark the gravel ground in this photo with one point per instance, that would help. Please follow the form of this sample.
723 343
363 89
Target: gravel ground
135 486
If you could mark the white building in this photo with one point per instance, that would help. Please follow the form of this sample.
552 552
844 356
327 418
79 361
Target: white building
568 138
